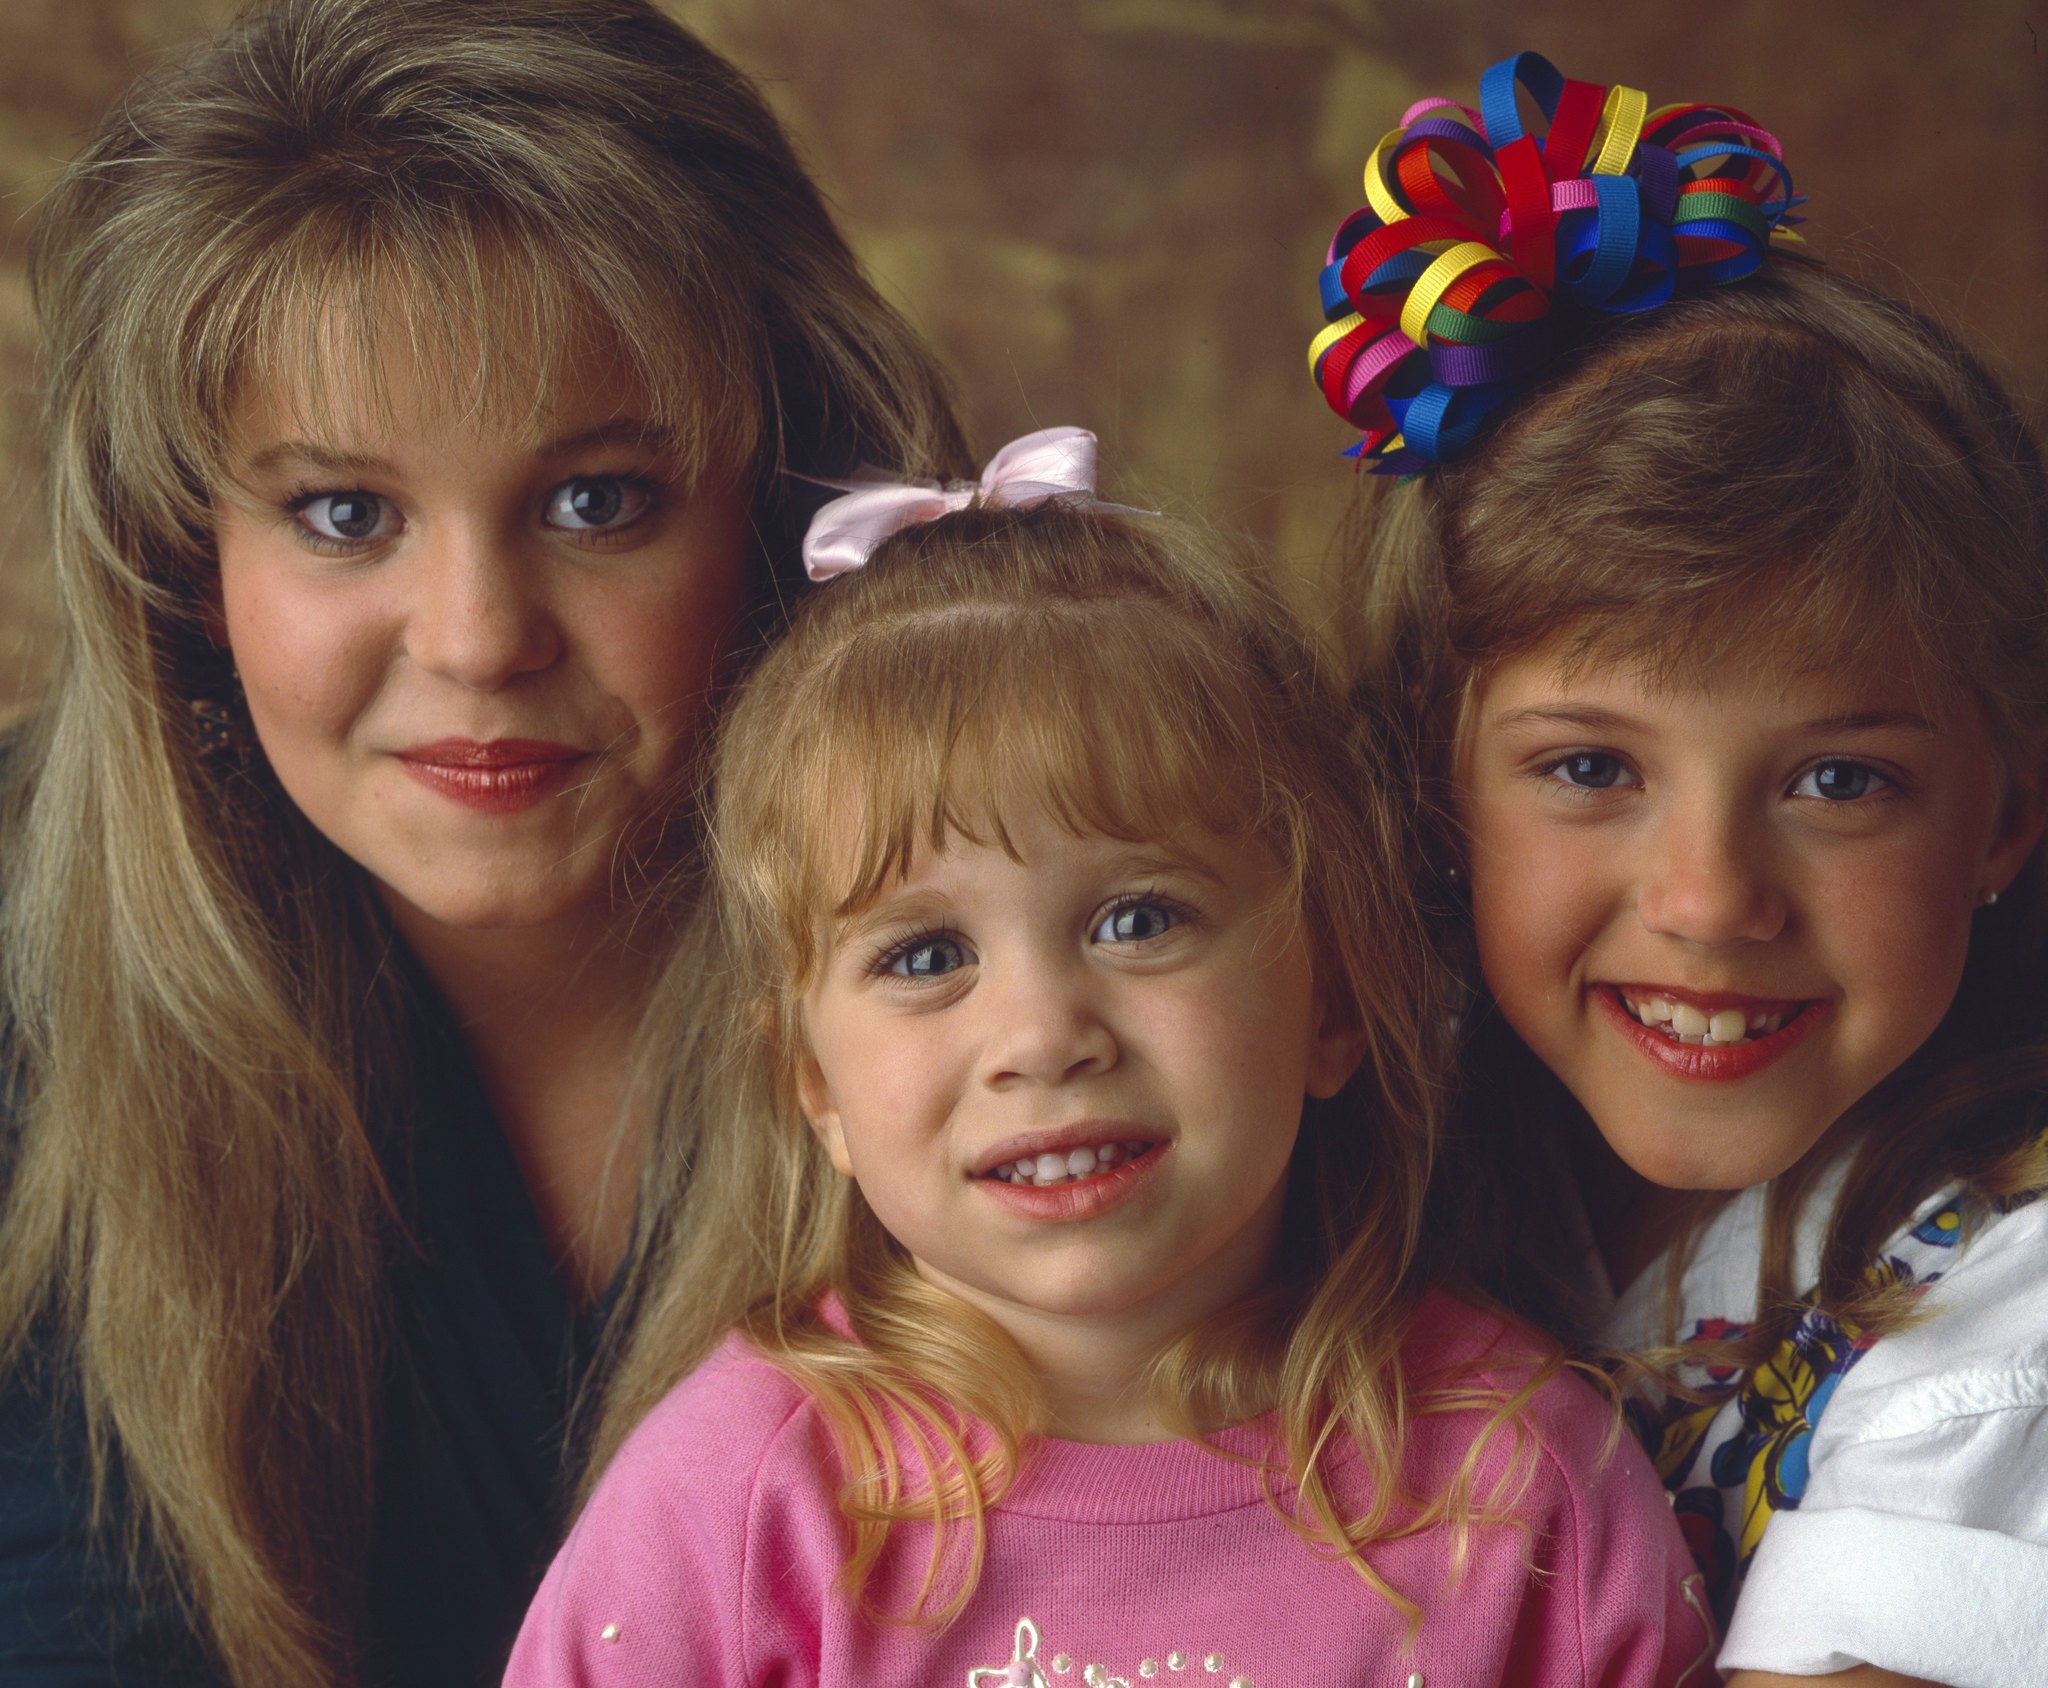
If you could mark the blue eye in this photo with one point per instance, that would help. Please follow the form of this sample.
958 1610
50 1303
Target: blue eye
597 503
1839 782
347 517
926 958
1135 922
1590 770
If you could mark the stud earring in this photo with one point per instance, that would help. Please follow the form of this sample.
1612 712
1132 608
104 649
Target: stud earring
1987 899
221 727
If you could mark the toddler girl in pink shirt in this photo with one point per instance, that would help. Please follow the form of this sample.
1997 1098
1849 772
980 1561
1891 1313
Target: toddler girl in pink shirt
1069 1307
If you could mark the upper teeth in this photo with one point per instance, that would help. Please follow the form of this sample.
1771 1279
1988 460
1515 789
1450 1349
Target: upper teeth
1056 1168
1687 1024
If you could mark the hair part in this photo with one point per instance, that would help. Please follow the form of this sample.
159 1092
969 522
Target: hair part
1136 680
198 991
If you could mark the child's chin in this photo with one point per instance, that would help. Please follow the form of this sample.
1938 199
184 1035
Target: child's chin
1695 1151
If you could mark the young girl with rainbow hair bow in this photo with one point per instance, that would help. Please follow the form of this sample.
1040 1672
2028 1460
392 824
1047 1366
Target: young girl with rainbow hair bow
1062 1266
1719 615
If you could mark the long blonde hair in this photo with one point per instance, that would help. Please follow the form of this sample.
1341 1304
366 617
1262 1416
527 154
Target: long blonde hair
1135 677
1794 466
198 1014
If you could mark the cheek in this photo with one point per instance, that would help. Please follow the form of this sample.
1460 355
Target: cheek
662 655
1249 1028
659 647
1537 901
1896 933
309 661
890 1080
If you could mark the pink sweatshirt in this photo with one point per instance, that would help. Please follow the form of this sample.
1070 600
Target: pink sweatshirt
708 1556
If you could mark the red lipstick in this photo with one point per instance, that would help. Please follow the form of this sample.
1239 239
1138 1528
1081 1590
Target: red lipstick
498 777
1715 1063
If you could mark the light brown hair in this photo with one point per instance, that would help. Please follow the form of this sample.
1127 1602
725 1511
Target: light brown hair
1135 678
1794 470
199 1011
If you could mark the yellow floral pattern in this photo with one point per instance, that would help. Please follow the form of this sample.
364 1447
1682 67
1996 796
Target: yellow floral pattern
1735 1462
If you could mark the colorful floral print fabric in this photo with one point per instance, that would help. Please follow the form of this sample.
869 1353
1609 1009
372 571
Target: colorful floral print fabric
1736 1461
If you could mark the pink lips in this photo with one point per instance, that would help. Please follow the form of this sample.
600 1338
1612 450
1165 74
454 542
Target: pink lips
500 777
1080 1198
1722 1063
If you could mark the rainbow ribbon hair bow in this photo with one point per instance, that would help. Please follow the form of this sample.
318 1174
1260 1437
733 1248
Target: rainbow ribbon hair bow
1444 292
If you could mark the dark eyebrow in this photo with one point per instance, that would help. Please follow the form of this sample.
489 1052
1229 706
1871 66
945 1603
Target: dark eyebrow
1592 720
319 457
1873 721
637 432
632 432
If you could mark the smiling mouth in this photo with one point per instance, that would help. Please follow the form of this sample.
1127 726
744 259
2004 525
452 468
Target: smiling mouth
1685 1023
1071 1166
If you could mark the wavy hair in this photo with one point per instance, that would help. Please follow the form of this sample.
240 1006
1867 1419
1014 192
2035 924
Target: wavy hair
195 998
1134 677
1796 466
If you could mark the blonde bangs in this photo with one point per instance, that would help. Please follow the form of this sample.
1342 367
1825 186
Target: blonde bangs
325 312
1117 730
929 733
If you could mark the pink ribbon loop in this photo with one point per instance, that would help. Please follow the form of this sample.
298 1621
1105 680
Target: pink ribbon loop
1052 463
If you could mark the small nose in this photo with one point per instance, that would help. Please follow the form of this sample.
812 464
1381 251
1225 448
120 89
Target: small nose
1046 1028
478 613
1708 879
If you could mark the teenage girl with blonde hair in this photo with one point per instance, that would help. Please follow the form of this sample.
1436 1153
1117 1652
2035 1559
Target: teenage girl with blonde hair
1722 620
1077 1314
421 378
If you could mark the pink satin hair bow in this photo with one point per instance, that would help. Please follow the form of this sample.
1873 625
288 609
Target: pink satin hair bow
1052 463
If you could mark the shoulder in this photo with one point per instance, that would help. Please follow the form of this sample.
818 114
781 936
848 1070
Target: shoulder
710 1443
1948 1418
706 1550
1980 1341
1923 1528
73 1613
1559 1437
1614 1596
1450 1337
1455 1346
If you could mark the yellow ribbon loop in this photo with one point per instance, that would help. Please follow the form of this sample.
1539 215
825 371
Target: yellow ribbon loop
1329 337
1377 194
1621 126
1435 282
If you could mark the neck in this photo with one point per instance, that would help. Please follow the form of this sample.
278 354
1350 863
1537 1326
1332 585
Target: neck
1092 1363
549 1015
1631 1218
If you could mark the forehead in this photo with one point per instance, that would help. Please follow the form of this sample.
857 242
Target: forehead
1561 683
1042 868
864 844
337 379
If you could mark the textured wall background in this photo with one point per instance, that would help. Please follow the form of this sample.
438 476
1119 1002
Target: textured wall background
1111 211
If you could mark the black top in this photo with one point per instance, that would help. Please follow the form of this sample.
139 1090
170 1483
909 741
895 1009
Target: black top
472 1477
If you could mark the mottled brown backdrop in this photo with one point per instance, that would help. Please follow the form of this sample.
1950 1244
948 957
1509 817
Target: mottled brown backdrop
1111 211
